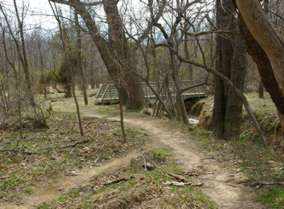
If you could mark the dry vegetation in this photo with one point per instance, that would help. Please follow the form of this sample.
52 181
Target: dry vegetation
59 150
153 58
137 188
263 165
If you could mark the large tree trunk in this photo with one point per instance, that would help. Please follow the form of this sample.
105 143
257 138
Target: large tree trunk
263 32
234 105
265 69
121 50
269 51
224 54
260 85
116 56
180 106
231 61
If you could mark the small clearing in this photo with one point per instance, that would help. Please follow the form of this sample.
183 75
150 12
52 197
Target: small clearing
223 183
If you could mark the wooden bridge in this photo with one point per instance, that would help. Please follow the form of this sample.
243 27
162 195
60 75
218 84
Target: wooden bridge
107 93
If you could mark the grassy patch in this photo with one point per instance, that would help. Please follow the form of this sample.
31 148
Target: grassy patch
161 154
274 198
264 110
107 110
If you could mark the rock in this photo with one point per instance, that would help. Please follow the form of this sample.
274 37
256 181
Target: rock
148 166
72 173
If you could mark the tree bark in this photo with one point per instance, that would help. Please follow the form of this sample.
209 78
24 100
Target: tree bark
231 62
265 35
268 52
121 50
260 90
234 106
80 64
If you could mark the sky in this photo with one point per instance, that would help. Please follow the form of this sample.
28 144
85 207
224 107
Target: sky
39 13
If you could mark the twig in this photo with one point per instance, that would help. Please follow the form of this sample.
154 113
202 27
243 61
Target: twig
75 144
116 181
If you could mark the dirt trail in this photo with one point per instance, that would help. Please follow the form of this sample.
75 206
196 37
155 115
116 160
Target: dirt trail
220 184
51 190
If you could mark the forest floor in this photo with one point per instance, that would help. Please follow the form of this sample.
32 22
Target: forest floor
263 165
222 182
185 170
45 163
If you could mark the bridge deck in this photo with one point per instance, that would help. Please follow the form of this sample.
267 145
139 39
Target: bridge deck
107 93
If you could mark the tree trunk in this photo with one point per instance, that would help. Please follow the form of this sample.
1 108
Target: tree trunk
180 106
260 90
42 76
230 61
80 64
92 74
78 112
269 46
234 106
121 50
224 55
122 125
116 55
257 23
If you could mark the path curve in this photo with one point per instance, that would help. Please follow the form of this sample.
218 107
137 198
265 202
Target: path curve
222 185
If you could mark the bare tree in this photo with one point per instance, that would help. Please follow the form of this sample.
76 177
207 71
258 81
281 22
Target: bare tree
18 37
70 61
116 54
21 46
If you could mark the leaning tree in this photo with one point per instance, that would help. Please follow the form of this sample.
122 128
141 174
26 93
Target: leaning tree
267 49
